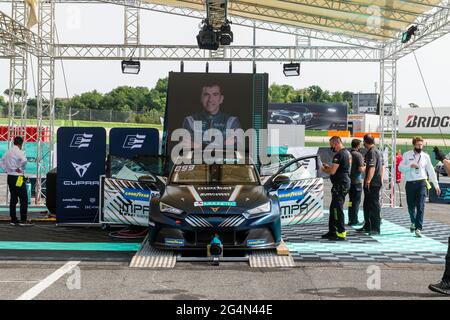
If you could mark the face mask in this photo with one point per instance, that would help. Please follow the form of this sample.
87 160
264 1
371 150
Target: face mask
418 150
332 149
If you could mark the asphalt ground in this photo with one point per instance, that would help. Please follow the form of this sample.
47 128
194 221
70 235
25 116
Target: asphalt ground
236 281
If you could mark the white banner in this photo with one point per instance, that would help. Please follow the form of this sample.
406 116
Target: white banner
423 120
125 202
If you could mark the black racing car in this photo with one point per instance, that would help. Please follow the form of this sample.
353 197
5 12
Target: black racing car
203 200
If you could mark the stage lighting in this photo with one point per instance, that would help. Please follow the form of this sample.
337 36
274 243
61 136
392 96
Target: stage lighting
406 36
225 35
131 67
207 38
291 69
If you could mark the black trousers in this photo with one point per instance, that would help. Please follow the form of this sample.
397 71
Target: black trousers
354 203
416 193
372 208
17 193
337 218
446 276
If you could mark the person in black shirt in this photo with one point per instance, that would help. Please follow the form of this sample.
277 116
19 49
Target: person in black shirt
356 188
443 286
340 178
373 182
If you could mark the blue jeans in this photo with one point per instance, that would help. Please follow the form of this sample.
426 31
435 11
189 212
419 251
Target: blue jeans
416 192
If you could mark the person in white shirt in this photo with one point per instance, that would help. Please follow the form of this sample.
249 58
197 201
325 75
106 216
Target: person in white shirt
13 163
417 168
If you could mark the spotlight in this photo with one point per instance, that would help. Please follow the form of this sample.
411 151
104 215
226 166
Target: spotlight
291 69
406 36
131 67
225 35
207 38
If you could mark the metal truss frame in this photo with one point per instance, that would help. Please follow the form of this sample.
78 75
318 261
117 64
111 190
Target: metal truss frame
243 21
231 53
18 68
45 98
431 27
17 42
388 127
132 22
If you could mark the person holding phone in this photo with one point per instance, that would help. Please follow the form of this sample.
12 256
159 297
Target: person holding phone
417 168
339 173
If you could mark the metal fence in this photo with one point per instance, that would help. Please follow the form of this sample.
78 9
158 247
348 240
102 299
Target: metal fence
153 116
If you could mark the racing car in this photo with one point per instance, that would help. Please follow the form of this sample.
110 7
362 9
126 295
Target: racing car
232 202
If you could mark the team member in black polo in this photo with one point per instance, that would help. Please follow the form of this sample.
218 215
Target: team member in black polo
340 178
372 186
356 188
443 286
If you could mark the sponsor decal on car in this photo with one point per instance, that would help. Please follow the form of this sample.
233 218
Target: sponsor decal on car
215 204
174 242
291 194
256 242
137 195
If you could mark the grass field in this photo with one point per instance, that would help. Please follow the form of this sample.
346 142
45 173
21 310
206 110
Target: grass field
79 123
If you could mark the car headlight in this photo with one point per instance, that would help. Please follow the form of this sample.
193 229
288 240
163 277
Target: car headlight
166 208
266 207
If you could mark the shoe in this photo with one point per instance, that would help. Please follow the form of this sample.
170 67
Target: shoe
328 235
351 224
374 233
14 223
441 287
338 236
25 223
418 233
412 228
362 230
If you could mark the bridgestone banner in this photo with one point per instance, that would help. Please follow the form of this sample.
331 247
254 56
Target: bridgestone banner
424 120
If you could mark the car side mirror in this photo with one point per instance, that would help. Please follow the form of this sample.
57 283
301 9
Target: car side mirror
280 180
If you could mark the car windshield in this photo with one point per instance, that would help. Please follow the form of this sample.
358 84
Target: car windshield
215 174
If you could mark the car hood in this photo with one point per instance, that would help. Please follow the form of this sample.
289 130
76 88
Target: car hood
215 199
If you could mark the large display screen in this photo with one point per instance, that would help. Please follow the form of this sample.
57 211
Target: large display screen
198 102
321 116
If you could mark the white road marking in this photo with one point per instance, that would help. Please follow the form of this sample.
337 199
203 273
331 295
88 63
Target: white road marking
47 282
16 281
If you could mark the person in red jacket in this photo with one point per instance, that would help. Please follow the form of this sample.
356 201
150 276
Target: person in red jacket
398 177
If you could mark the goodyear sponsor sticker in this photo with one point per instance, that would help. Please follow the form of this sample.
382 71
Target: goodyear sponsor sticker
214 204
136 194
291 194
255 242
174 242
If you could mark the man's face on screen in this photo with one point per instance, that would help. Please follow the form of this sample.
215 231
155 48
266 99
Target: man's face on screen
211 98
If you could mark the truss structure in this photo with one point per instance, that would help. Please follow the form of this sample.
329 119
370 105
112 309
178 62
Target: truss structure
357 40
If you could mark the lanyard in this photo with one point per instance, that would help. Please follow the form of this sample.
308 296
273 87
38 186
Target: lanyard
420 157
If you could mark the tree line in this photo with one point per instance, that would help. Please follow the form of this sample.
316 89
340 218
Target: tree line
148 104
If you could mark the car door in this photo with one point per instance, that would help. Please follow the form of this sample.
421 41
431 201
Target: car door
128 187
299 189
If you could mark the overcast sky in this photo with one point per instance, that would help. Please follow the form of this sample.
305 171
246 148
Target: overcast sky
100 23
